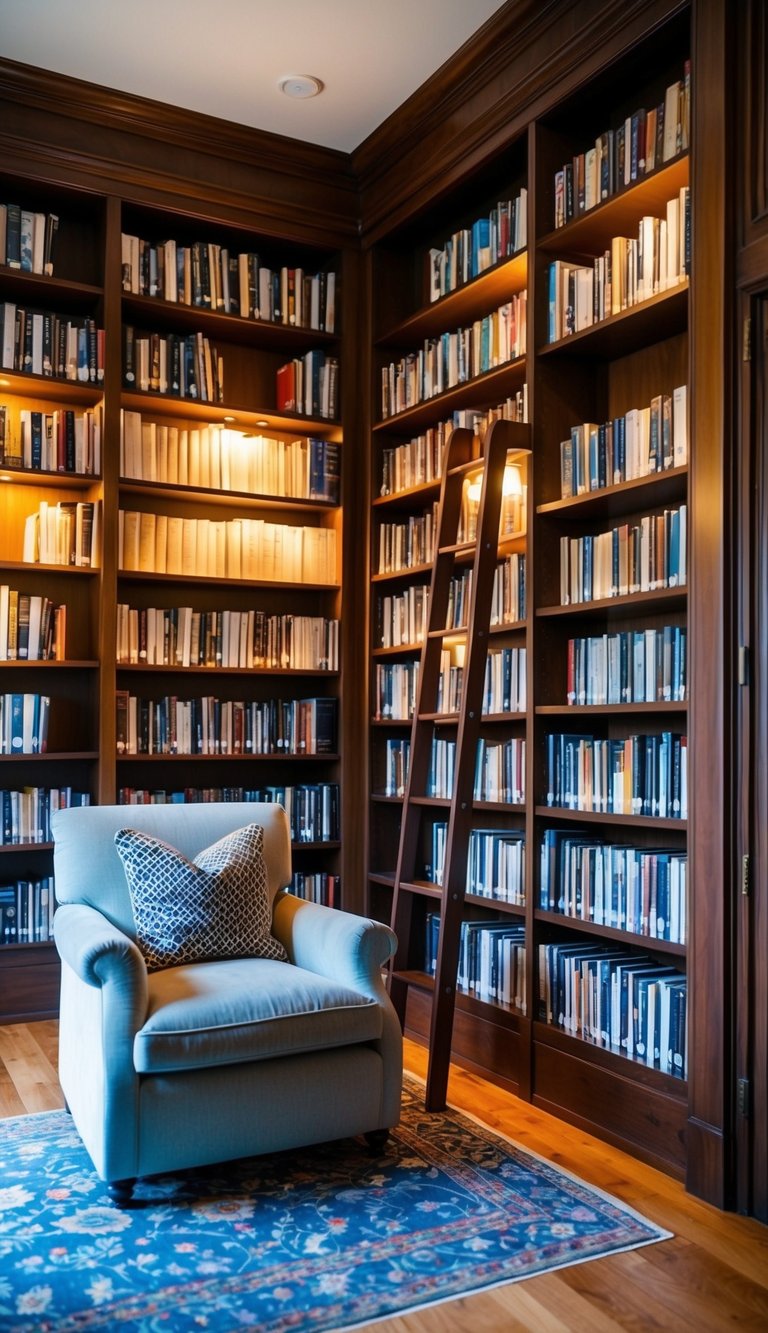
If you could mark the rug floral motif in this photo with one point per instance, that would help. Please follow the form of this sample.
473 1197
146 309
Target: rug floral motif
326 1238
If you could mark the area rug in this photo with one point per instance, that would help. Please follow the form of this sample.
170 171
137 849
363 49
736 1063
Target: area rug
327 1238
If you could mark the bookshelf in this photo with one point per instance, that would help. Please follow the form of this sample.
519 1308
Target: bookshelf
590 816
197 655
49 611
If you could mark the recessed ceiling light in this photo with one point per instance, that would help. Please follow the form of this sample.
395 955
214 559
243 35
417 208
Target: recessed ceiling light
300 85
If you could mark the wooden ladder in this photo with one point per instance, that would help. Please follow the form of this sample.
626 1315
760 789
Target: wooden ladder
448 897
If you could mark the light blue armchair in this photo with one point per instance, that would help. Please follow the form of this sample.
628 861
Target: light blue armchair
209 1061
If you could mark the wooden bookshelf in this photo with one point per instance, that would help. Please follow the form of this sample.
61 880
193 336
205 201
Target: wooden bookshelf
597 374
89 280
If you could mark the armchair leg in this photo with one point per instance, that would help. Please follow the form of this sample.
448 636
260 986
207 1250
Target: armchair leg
377 1141
120 1192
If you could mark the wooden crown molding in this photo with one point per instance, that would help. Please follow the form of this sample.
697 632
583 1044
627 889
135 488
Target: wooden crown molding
526 56
113 136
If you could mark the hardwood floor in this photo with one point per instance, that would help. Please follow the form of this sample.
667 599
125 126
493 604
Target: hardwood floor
712 1275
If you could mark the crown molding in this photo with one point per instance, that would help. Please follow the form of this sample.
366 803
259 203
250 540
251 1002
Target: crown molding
525 57
107 138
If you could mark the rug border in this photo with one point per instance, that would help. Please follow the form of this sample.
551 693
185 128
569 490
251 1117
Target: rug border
564 1170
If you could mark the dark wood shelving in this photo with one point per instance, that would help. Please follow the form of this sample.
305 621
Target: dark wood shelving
638 326
236 499
654 599
658 488
484 390
156 312
491 289
594 816
143 576
228 413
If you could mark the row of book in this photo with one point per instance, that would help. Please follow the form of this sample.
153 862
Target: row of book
32 629
208 275
639 145
181 365
309 384
629 666
626 1002
394 691
213 457
27 239
58 441
180 636
635 775
312 810
630 558
25 816
453 358
41 342
403 545
496 865
629 271
642 890
500 771
24 723
403 617
420 460
316 887
643 441
67 533
213 726
242 548
472 250
26 911
491 959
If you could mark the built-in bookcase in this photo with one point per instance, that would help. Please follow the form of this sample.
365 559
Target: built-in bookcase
49 607
595 743
193 553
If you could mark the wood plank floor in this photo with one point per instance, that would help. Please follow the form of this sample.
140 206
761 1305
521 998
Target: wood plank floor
712 1275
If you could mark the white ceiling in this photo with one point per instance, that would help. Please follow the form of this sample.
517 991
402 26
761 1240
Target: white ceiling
226 57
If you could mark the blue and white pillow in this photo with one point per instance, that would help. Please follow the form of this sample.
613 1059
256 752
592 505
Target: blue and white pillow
217 906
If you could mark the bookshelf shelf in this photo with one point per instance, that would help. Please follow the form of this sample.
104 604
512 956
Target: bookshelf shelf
596 817
199 580
585 927
657 489
474 298
155 669
10 848
638 326
222 499
657 599
258 333
619 215
239 415
68 393
482 391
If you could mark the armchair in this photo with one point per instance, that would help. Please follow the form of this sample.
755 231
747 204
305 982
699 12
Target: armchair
209 1061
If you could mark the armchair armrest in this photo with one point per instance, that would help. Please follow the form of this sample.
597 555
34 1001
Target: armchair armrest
351 949
101 955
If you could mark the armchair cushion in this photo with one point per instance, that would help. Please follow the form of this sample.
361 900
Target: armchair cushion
246 1009
216 906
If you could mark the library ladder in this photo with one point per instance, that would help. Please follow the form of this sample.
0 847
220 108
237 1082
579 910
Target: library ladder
451 556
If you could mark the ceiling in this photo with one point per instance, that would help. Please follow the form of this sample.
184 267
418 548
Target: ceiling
227 57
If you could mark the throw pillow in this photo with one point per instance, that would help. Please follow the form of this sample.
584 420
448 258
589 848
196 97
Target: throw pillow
216 906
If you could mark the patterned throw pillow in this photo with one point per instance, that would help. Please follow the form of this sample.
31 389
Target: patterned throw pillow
216 906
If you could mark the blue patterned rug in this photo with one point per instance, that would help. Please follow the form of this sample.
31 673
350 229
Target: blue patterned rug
328 1238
